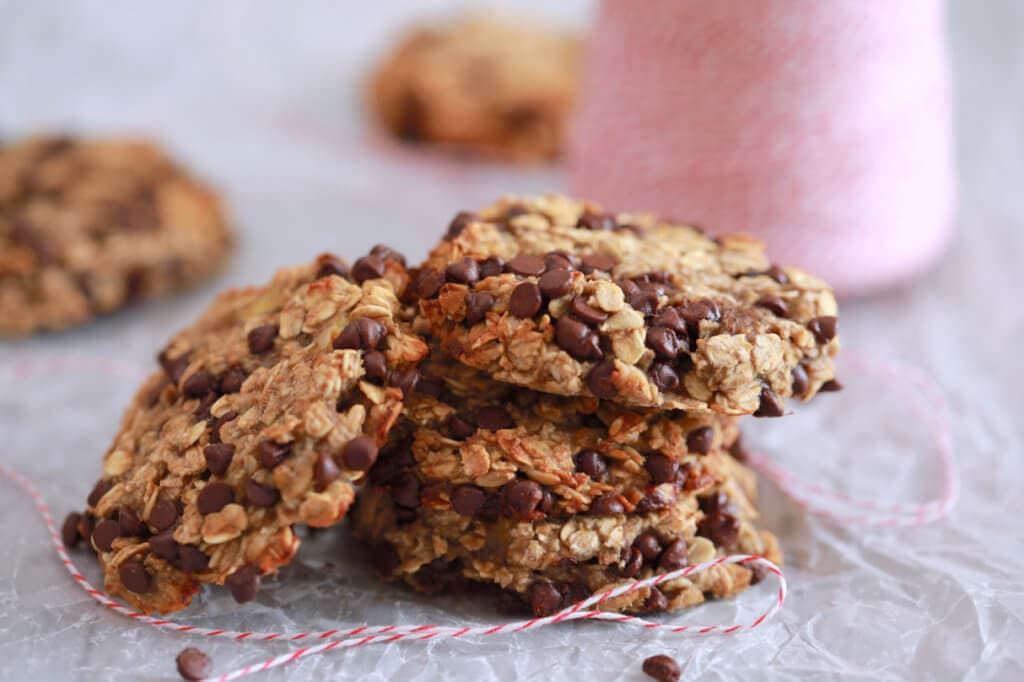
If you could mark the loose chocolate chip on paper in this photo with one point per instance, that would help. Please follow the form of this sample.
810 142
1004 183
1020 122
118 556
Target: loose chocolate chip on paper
368 267
468 499
463 271
527 265
494 418
271 454
104 534
800 381
600 379
700 440
129 523
198 384
193 664
218 457
261 339
606 505
588 313
477 305
555 283
592 463
824 328
192 559
525 301
661 467
244 583
69 530
662 668
771 405
261 496
214 497
359 454
325 471
135 577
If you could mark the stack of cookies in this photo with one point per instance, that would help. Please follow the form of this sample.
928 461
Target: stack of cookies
547 405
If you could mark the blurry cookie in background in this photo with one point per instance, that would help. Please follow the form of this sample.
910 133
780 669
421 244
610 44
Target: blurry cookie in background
90 226
499 87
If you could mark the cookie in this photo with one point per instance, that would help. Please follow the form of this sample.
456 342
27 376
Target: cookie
555 295
87 227
266 413
499 88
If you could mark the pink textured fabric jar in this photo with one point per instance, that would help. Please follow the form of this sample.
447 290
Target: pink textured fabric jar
824 128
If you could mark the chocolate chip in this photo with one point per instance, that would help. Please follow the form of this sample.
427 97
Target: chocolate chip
775 304
662 668
573 593
600 379
778 274
198 384
174 368
526 265
633 562
405 379
663 376
519 499
362 334
219 455
656 499
721 528
129 523
493 418
202 410
674 556
392 461
592 463
555 283
824 328
694 313
405 490
460 428
670 318
661 467
771 405
700 440
468 499
656 601
427 283
738 451
606 505
164 545
649 546
261 496
386 252
477 305
193 664
491 266
544 598
831 386
713 502
244 583
589 314
384 558
271 454
232 380
596 221
525 301
104 534
368 267
663 341
135 577
432 387
558 260
192 559
261 339
800 381
458 224
331 265
359 454
375 366
463 271
577 339
643 300
69 531
325 471
214 497
597 261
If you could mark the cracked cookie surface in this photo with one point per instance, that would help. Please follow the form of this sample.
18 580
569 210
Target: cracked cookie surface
559 296
87 227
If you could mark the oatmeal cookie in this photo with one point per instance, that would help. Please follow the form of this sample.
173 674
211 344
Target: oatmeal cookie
558 296
87 227
497 87
265 414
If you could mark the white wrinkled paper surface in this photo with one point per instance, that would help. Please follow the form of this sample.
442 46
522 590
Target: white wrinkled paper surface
262 102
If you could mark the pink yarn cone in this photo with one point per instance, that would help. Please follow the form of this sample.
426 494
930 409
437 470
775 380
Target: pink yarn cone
821 127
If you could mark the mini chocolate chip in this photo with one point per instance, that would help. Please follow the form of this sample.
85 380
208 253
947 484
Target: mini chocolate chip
597 261
674 556
663 376
670 318
231 381
375 366
778 274
800 381
468 499
649 545
596 221
163 515
663 341
491 266
558 260
69 531
214 497
135 577
577 339
325 471
721 528
831 386
460 428
463 271
656 601
198 384
494 418
331 265
271 454
519 499
192 559
600 379
661 467
589 314
368 267
662 668
244 583
592 463
104 534
633 562
771 405
700 440
525 301
164 545
218 457
384 558
364 334
359 454
606 505
174 368
526 265
427 283
775 304
129 523
555 283
261 339
824 328
477 305
458 224
193 664
261 496
545 599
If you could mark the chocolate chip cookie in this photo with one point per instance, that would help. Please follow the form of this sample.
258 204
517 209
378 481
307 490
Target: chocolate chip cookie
559 296
87 227
266 413
500 88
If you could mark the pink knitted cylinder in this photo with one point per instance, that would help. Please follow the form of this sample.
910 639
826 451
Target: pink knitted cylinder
821 127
